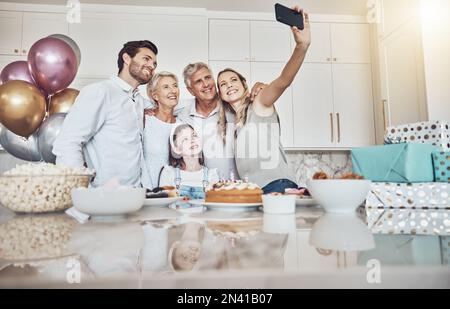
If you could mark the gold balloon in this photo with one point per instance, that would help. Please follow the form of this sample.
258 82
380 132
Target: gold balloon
62 101
22 107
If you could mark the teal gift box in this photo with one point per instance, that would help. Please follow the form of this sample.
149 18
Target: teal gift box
397 163
441 162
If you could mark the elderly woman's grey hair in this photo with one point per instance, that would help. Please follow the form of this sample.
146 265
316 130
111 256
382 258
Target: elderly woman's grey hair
153 83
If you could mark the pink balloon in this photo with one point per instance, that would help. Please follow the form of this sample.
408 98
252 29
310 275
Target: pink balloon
53 64
17 70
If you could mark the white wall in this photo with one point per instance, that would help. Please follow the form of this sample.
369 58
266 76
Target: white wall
436 48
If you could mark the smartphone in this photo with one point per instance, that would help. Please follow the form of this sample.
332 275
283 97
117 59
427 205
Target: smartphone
289 17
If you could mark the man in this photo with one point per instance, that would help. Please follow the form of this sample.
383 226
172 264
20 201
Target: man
105 125
203 115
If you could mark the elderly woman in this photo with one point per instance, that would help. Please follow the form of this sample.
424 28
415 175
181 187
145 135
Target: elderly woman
163 89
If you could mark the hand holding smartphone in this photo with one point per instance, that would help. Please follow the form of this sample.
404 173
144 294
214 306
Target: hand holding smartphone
289 17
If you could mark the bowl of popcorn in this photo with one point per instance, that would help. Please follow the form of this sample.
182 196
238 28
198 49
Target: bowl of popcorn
41 187
341 195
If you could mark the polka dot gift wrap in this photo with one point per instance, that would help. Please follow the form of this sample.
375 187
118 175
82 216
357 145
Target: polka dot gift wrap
436 133
441 162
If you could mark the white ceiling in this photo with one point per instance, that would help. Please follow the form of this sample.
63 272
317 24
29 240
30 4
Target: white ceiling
357 7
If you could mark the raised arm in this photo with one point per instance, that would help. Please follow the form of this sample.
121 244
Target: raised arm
270 94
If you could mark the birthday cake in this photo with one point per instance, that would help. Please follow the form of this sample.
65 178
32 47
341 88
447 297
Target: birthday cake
234 192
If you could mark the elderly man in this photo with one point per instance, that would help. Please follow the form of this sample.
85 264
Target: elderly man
105 125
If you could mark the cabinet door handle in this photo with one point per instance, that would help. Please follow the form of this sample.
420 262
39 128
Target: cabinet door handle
16 50
24 51
339 127
332 127
328 59
334 59
384 103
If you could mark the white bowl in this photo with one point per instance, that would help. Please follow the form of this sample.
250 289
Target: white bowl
278 204
341 233
108 201
339 195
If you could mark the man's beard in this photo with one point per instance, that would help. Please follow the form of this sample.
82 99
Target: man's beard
136 73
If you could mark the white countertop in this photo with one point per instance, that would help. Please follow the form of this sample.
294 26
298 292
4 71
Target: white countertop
243 250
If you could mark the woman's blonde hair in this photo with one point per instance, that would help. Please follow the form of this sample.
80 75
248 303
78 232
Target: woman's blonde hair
153 83
241 113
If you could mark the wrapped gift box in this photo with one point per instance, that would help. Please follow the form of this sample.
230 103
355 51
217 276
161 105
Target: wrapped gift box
414 196
441 162
395 163
408 221
445 245
436 133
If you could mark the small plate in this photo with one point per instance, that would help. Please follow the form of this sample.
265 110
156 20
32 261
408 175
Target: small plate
228 206
161 202
305 201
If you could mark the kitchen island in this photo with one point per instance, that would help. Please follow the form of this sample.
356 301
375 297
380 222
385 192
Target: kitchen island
162 248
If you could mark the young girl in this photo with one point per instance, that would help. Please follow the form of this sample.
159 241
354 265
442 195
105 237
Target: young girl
257 123
185 253
186 171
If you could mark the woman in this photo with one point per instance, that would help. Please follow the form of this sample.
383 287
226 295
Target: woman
163 89
257 123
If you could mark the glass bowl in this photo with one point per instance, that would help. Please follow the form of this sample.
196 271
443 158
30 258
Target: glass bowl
39 193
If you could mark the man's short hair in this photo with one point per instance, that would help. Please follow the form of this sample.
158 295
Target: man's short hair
132 48
191 69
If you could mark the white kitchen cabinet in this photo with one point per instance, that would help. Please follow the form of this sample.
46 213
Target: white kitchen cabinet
240 66
244 40
266 72
402 77
264 35
339 43
320 49
40 25
20 30
396 13
229 40
10 32
353 105
333 106
5 60
350 43
313 111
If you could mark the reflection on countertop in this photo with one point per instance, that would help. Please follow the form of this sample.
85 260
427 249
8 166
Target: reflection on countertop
161 248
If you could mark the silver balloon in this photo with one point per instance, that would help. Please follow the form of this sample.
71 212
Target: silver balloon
47 134
18 146
72 44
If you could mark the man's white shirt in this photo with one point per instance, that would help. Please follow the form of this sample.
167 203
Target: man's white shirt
104 128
